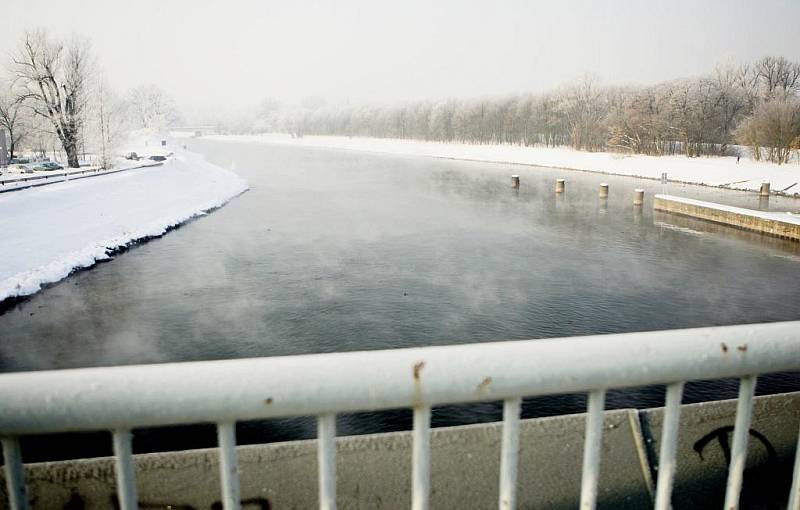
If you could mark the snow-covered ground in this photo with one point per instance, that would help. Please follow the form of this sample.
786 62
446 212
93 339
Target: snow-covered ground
49 231
711 171
13 180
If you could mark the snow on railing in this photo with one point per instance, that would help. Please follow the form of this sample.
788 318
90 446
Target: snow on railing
41 179
224 392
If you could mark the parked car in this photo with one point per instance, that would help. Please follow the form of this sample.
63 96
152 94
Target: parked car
157 158
132 155
19 161
48 167
20 168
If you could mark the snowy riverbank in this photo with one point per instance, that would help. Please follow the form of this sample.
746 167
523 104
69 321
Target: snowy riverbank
49 232
711 171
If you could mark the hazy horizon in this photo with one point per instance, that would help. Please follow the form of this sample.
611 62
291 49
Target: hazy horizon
244 51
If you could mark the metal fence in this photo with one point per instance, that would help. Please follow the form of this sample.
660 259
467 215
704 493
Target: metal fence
42 179
223 392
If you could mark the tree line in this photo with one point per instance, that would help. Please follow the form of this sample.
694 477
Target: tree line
755 105
55 97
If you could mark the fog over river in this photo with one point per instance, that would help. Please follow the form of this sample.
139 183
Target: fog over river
333 250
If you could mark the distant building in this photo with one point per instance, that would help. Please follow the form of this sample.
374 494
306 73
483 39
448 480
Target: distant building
3 148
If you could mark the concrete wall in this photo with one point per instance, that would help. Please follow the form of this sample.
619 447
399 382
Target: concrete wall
726 216
686 223
374 471
703 451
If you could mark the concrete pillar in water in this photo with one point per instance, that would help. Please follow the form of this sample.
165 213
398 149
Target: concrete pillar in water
764 190
663 177
515 181
559 185
603 190
638 196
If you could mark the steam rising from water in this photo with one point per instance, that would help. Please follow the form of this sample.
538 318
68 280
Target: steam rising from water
333 251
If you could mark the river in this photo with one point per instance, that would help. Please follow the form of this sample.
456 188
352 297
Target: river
334 250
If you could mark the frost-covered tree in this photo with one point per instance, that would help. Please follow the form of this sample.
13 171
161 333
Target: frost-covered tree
777 77
14 118
52 79
42 139
151 107
584 107
773 130
107 122
731 101
694 116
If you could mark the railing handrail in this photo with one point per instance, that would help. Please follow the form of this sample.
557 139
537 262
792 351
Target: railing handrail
52 177
125 397
51 174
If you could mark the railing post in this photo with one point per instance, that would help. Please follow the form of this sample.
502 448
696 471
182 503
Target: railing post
420 458
794 494
591 449
15 474
509 456
228 469
326 456
126 477
669 445
741 431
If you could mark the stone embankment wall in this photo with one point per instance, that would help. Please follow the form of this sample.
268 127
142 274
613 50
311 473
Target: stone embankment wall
775 224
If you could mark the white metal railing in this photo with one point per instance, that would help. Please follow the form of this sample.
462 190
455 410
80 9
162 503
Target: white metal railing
42 179
223 392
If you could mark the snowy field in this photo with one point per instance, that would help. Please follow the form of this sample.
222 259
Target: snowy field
49 231
710 171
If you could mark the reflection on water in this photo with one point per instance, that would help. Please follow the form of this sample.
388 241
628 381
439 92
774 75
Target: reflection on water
335 250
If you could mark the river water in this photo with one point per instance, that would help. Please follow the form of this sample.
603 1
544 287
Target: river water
334 250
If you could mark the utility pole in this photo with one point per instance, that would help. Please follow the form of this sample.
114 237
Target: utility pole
3 148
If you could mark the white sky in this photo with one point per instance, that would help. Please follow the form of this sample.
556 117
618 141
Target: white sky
242 51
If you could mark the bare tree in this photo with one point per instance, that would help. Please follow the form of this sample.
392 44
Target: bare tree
151 107
695 117
53 78
584 106
13 119
41 138
777 76
774 128
108 122
730 102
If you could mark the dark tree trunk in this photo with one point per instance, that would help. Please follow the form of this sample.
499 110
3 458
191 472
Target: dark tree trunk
71 149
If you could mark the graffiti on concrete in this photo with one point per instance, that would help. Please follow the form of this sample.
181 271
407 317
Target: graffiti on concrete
247 504
722 435
76 502
765 482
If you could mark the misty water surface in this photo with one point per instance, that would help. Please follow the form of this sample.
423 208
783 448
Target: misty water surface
334 250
